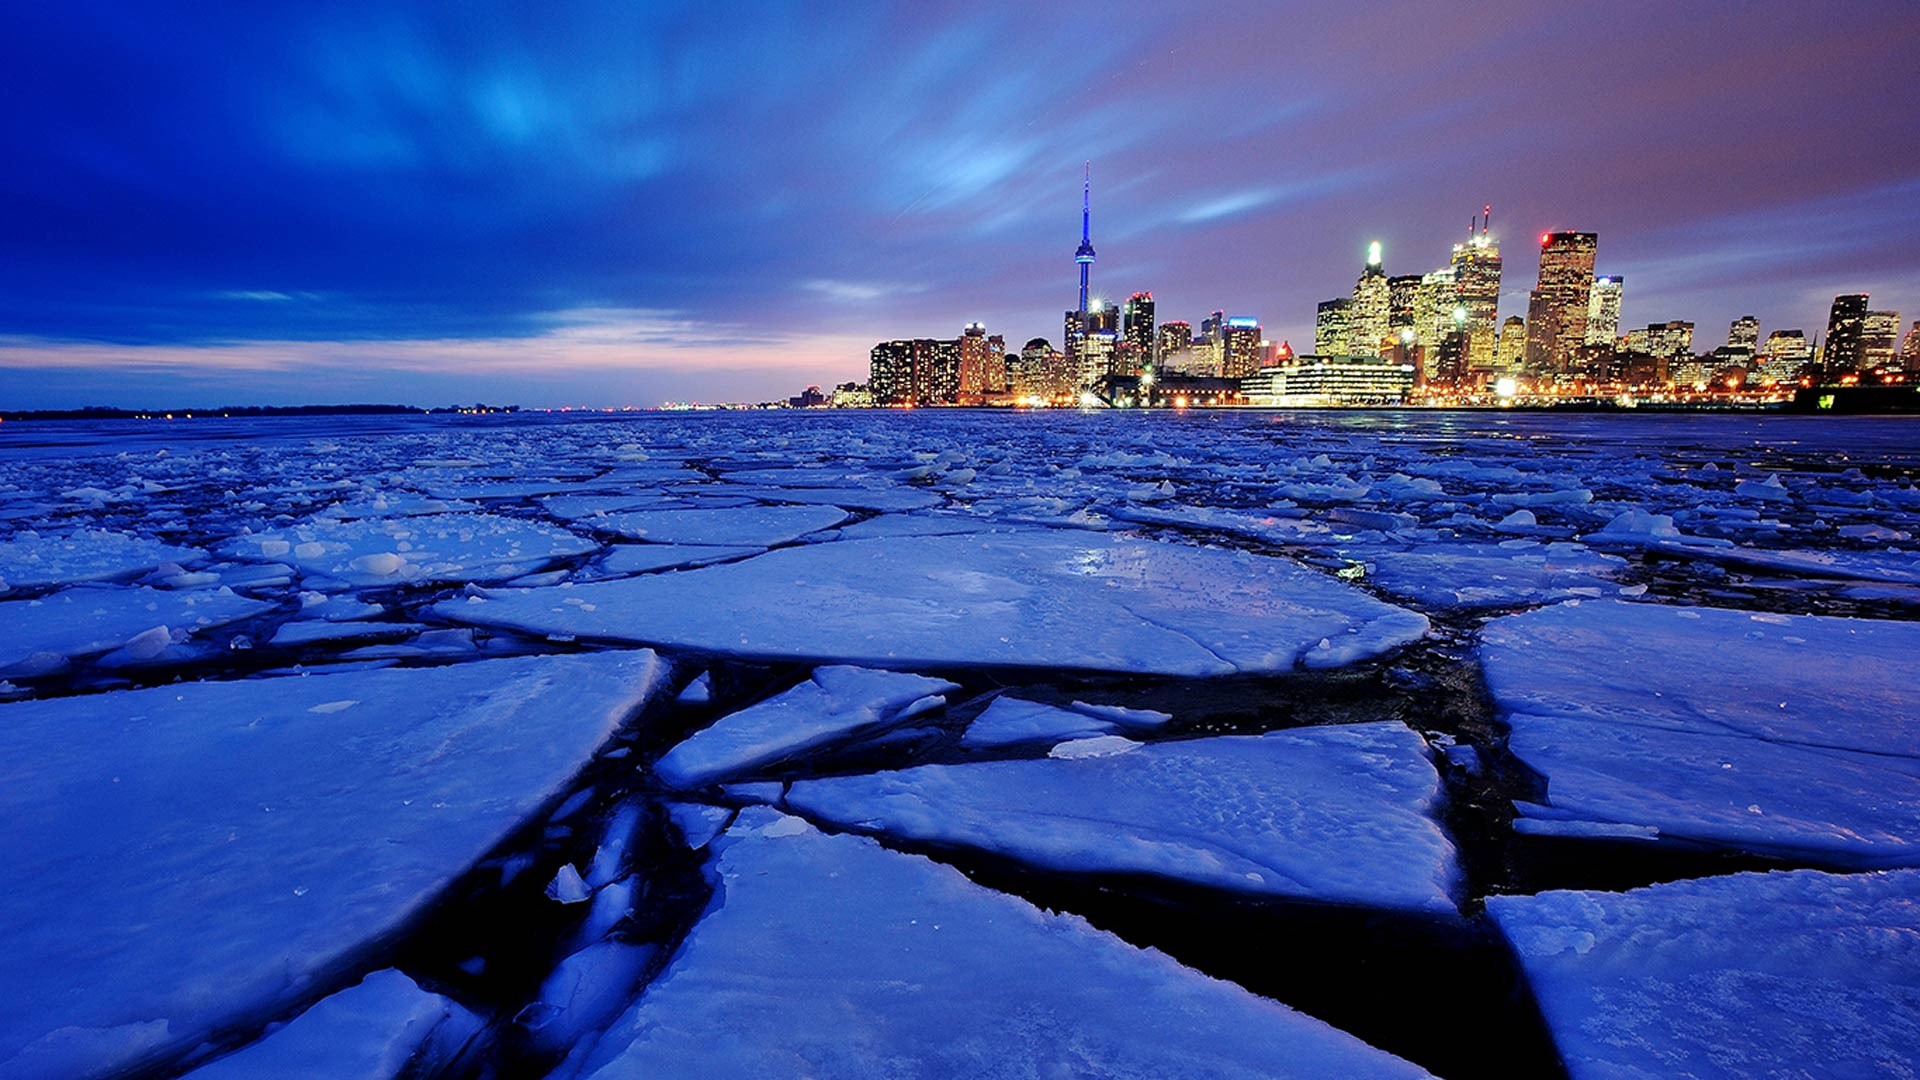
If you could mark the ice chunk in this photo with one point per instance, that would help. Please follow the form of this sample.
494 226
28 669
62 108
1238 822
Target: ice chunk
641 558
89 620
1024 599
372 1031
738 526
1007 721
829 956
238 849
86 555
1335 814
1488 575
1729 978
419 550
893 499
1097 746
1732 729
835 705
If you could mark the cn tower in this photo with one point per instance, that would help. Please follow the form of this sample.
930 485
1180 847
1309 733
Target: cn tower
1085 255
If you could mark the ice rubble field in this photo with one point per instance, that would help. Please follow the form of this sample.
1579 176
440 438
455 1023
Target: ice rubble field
948 744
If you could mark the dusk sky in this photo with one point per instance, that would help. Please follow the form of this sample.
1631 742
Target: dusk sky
563 204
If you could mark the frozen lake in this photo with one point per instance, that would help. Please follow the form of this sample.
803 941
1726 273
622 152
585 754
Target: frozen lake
947 742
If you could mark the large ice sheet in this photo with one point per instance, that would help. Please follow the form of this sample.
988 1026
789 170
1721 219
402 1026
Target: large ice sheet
370 1031
1838 808
1813 680
738 526
1788 736
897 498
1340 815
30 560
204 855
836 704
1781 976
88 620
831 957
414 551
1489 575
1029 599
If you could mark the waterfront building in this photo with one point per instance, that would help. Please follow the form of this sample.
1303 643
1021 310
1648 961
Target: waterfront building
1511 350
1331 381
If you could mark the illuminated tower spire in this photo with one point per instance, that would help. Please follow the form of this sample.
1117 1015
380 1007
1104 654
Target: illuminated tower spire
1085 255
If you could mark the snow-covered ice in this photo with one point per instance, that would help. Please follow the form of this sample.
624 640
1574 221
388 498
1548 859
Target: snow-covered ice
829 956
1025 599
1778 976
736 526
204 855
835 705
31 560
89 620
1340 815
374 1030
1007 721
1781 735
415 550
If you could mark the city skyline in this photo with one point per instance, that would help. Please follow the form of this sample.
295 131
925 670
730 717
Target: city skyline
637 206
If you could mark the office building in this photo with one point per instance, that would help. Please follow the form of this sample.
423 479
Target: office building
1330 381
1880 338
1511 351
1557 308
1139 327
1476 281
1240 355
1369 328
1330 325
1845 349
1603 310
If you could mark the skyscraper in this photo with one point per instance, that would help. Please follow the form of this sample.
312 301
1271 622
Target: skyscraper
1879 337
1846 334
1511 351
973 362
1242 354
1330 325
1439 296
1175 337
1557 307
1603 310
995 380
1404 303
1476 278
1369 322
1910 348
1139 327
918 371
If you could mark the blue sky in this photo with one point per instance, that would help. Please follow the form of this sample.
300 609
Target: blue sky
612 205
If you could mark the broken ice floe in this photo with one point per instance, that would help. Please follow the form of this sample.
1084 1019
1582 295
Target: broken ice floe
1338 815
835 705
830 956
376 1030
414 551
203 856
1024 599
1798 974
1788 736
